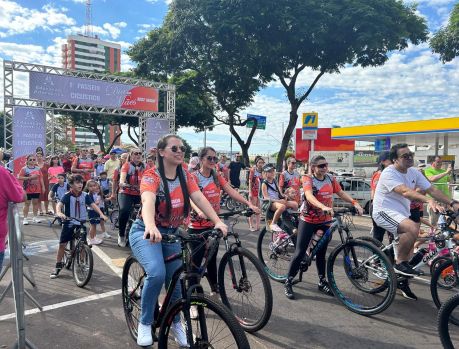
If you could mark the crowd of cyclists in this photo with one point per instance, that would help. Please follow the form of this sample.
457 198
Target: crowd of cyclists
173 194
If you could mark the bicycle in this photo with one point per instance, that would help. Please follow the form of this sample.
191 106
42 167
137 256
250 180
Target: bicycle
214 322
243 284
449 312
78 255
229 203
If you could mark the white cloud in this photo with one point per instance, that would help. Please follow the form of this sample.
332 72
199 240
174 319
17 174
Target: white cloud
107 30
15 19
145 28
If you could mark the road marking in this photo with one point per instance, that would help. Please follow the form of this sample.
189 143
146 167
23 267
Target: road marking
64 304
107 260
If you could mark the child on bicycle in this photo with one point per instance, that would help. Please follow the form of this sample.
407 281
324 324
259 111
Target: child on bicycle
58 190
270 191
72 205
94 191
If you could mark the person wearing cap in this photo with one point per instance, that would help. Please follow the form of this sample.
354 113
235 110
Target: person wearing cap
111 164
193 165
270 191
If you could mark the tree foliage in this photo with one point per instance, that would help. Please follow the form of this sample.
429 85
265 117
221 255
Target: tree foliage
446 40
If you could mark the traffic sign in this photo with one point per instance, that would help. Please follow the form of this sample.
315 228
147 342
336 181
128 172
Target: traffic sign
261 124
310 121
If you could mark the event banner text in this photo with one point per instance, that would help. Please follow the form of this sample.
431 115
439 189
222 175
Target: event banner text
79 91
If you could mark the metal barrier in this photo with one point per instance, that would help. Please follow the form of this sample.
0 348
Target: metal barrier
17 272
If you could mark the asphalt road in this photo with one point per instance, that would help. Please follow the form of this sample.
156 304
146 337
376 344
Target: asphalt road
92 317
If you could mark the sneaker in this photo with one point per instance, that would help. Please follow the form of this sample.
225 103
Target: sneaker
406 290
36 220
144 337
94 241
405 268
275 227
121 241
57 270
106 235
194 312
25 221
179 334
288 289
324 287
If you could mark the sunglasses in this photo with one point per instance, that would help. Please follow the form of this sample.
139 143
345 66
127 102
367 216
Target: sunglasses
322 165
293 163
212 158
175 148
32 160
137 153
407 155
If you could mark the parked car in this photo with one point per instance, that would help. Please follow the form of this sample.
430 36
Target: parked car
357 188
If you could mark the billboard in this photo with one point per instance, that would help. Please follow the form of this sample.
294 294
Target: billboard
337 160
29 132
310 121
72 90
365 158
261 121
155 129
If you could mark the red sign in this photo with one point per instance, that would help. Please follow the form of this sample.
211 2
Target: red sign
324 142
141 98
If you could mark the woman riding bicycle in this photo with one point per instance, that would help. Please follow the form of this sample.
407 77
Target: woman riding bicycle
315 218
165 191
130 177
210 183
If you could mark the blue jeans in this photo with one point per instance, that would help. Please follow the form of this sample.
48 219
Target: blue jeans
2 255
151 257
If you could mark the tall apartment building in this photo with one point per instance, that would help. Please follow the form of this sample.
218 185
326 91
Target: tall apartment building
95 55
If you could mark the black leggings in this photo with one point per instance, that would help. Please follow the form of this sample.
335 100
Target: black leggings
198 249
305 233
126 203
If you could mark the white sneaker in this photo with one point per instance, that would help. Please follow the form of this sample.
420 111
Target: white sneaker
106 235
94 241
144 336
121 241
25 221
36 220
275 227
179 334
194 312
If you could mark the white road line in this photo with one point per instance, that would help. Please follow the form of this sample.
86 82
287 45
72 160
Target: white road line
64 304
107 260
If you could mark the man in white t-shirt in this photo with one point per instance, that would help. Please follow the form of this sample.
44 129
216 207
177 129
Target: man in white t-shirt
391 205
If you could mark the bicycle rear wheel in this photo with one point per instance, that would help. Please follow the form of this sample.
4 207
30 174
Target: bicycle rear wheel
361 277
444 284
214 327
251 298
83 264
131 288
275 255
449 310
114 219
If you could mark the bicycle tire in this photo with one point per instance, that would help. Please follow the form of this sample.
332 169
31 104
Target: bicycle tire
203 303
443 320
437 262
378 244
82 266
246 313
377 260
442 291
114 218
131 292
231 204
275 260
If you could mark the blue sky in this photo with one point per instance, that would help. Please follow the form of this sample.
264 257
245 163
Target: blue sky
412 85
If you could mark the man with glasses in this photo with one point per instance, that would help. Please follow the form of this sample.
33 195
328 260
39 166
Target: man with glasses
391 206
440 178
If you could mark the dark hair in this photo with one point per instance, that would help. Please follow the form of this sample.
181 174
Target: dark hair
102 173
61 175
393 154
51 160
28 156
162 144
72 179
39 150
315 160
202 153
196 154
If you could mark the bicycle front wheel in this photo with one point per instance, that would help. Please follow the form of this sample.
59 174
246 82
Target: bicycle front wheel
83 264
449 310
361 277
444 284
131 287
245 288
214 326
275 255
114 219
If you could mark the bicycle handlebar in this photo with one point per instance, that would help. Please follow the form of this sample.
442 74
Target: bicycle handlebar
68 219
247 212
185 237
342 210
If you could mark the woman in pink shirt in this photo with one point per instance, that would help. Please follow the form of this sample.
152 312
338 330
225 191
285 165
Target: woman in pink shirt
10 191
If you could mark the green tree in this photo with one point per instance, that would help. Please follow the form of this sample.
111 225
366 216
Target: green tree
200 37
325 37
446 40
